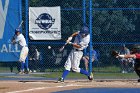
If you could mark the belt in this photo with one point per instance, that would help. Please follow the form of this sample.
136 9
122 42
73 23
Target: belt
78 50
25 46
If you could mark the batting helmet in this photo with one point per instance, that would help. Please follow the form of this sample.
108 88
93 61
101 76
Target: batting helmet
84 30
17 30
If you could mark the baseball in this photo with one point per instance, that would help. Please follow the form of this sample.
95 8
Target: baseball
49 47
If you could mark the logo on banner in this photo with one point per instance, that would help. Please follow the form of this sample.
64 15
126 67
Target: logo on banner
44 21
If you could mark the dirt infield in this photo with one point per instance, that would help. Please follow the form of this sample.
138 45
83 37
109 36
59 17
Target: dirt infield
49 86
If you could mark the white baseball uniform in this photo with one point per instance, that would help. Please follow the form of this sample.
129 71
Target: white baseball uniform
76 54
24 48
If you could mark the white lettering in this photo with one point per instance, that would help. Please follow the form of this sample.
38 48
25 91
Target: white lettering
3 14
9 48
44 21
4 48
17 48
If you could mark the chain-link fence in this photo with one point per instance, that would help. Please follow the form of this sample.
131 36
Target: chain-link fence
115 24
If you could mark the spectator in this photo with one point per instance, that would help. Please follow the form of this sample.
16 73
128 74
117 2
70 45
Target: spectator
124 61
33 58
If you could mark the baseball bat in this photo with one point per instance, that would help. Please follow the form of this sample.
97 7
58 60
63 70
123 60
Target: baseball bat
20 24
62 48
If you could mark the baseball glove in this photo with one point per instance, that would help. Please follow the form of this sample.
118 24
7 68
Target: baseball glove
114 53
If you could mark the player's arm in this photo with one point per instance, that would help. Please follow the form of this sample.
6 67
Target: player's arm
127 56
83 43
74 34
70 38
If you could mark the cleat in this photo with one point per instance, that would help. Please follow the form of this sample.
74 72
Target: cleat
90 77
21 72
27 71
60 80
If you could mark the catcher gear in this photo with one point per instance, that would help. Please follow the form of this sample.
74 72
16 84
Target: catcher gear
136 49
114 53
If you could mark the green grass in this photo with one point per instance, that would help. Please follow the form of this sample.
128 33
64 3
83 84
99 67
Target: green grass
108 72
96 75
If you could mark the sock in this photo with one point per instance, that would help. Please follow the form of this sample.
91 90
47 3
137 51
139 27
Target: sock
22 66
84 72
65 73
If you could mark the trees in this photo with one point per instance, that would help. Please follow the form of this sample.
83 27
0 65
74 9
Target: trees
113 18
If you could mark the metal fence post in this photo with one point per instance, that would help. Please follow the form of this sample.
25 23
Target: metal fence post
90 29
26 26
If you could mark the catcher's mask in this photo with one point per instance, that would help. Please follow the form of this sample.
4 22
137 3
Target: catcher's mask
136 49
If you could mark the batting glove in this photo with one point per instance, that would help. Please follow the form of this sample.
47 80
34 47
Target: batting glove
70 43
69 39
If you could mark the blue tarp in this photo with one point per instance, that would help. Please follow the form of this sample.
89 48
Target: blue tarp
10 18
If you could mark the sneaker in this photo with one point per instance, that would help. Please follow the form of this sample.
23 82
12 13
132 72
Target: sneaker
91 76
138 80
60 80
27 72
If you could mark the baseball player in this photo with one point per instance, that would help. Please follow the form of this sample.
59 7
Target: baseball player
81 41
136 56
19 38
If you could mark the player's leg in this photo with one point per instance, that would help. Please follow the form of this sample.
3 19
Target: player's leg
21 62
22 68
23 55
137 70
26 50
67 68
76 63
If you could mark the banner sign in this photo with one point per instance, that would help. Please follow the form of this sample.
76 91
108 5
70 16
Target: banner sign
10 17
44 23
